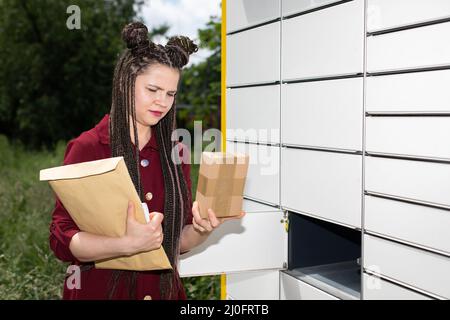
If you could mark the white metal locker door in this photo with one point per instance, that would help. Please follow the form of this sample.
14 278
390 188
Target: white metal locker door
325 185
406 92
411 136
292 288
253 56
296 6
263 175
325 114
324 43
259 285
378 289
414 180
387 14
414 267
417 225
409 49
246 13
257 242
253 114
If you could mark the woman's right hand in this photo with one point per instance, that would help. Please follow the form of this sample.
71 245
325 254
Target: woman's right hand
143 237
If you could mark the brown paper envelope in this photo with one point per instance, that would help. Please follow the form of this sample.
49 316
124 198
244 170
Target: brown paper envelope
96 194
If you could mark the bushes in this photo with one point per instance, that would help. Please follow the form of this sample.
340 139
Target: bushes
28 269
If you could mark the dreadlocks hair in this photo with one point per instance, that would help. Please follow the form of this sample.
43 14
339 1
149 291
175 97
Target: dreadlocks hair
140 54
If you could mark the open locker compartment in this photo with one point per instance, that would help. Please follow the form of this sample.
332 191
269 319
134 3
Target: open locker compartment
325 255
256 242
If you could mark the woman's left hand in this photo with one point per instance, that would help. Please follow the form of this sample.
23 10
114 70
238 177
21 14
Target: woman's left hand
202 225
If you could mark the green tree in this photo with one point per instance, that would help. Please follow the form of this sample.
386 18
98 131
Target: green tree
56 82
200 86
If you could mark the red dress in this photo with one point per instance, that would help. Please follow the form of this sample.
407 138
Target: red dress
93 145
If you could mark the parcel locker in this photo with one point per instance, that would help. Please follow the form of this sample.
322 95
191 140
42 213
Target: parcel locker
355 191
324 255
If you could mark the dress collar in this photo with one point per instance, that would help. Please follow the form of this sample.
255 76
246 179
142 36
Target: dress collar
102 129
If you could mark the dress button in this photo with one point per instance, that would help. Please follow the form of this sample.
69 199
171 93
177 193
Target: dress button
148 196
144 163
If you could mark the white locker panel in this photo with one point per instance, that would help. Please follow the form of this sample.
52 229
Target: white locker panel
322 184
323 113
421 269
258 285
420 225
413 48
410 92
293 289
253 56
385 14
263 174
253 114
417 180
228 248
324 43
246 13
253 206
414 136
375 288
296 6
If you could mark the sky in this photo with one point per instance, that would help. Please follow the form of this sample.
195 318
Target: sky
184 17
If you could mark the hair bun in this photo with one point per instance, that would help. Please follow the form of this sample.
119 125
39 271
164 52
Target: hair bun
184 43
135 35
179 48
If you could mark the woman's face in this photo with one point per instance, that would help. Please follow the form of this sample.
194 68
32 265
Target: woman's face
155 91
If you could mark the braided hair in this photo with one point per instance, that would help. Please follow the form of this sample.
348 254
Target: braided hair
139 55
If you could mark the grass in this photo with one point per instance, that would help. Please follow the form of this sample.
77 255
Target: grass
28 268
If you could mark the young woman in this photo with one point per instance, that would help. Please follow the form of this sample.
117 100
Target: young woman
139 128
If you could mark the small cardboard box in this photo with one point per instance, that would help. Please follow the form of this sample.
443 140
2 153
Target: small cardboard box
221 182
